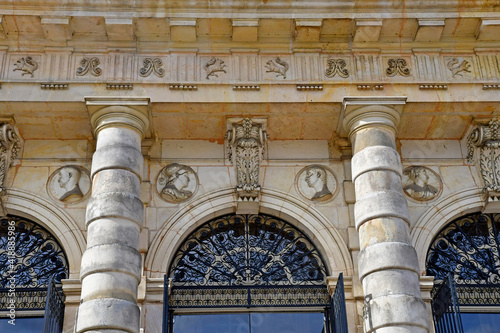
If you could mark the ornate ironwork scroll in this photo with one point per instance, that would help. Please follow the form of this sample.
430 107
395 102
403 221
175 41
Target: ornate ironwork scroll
468 248
36 256
9 149
247 250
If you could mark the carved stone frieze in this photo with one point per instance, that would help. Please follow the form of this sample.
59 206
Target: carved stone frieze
246 144
337 67
486 140
89 65
27 65
152 65
214 66
10 145
397 67
278 66
458 68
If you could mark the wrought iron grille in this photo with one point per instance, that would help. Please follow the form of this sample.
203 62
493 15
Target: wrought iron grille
445 308
54 309
467 248
247 250
35 258
336 312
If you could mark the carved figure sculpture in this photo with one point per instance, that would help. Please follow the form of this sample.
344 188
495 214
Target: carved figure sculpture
316 179
68 179
26 65
279 67
419 189
175 179
10 145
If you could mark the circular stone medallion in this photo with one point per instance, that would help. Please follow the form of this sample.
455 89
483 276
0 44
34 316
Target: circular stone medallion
176 183
421 183
317 183
69 184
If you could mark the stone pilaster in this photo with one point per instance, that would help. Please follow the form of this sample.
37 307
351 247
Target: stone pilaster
111 265
388 265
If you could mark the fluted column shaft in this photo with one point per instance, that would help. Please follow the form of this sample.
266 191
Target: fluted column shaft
111 265
388 265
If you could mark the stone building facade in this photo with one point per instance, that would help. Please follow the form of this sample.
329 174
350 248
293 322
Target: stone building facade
130 124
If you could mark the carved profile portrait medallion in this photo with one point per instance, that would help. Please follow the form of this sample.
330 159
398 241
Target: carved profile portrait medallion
176 183
69 184
317 183
421 183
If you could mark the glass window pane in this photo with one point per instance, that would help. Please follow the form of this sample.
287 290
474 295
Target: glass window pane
23 325
212 323
480 322
267 322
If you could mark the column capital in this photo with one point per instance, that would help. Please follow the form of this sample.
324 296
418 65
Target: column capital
360 112
116 111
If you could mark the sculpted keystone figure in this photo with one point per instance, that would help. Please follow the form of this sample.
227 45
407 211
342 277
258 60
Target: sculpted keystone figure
68 179
316 179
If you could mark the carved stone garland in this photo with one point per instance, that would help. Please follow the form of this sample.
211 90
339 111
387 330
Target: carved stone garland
487 139
9 149
246 141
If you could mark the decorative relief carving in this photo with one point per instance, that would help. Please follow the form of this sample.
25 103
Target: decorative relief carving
243 87
152 65
336 66
397 66
54 86
421 183
487 139
69 184
370 87
213 66
491 86
433 86
457 68
119 86
10 145
89 65
176 183
246 140
278 66
27 65
316 183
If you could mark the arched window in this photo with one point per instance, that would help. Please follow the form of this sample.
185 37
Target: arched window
32 264
251 262
468 250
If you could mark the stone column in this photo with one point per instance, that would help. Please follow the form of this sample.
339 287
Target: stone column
111 265
388 265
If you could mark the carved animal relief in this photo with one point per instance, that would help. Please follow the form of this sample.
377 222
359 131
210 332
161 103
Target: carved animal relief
246 146
336 67
27 65
152 66
9 149
213 66
458 68
89 65
277 66
397 66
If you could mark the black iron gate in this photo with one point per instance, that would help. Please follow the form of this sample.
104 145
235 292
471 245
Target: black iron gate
445 308
336 313
54 309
